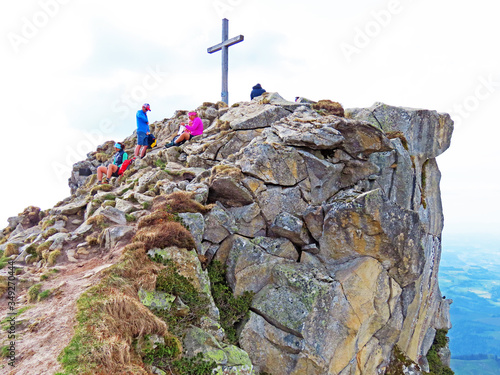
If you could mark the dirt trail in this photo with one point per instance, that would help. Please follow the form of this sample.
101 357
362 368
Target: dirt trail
44 330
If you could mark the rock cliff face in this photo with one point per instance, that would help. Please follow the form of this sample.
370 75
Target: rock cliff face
334 223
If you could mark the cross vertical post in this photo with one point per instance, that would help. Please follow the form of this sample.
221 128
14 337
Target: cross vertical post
225 61
224 48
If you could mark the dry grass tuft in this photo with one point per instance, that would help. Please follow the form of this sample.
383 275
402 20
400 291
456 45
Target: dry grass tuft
157 217
11 249
52 258
181 201
96 220
165 235
329 107
223 170
111 318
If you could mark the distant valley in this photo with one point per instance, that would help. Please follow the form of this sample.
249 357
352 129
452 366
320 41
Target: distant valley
470 275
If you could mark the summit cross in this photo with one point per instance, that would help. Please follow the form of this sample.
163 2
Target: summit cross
226 43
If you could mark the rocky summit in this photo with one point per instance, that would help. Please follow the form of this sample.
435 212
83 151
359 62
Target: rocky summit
289 238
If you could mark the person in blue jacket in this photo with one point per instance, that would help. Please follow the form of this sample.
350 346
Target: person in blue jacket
257 91
142 131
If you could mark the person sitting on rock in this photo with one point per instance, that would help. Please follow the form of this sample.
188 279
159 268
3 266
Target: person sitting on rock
195 127
257 91
112 170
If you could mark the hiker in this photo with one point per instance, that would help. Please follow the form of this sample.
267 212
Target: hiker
142 131
112 170
195 127
257 91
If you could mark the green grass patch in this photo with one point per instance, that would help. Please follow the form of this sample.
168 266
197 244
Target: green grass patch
160 164
232 309
171 282
33 292
436 367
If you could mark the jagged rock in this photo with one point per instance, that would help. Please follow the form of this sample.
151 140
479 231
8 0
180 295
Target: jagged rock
373 226
71 208
235 141
111 236
125 206
305 128
361 139
313 218
58 241
427 133
253 116
353 205
349 312
195 223
199 190
325 178
280 247
249 220
273 200
291 227
218 224
20 234
142 199
249 266
272 163
229 191
112 214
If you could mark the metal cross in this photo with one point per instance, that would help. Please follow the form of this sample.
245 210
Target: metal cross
226 43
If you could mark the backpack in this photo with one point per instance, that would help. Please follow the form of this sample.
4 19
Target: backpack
151 141
124 166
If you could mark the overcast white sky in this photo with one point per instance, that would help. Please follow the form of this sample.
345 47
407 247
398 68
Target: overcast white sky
73 73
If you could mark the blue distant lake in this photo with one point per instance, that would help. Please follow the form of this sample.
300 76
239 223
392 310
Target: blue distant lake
469 274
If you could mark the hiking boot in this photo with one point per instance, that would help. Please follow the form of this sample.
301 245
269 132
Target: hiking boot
170 144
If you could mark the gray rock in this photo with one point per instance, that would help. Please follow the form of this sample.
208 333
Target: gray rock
113 214
428 133
249 221
253 116
195 223
218 224
72 207
272 163
125 206
110 237
291 227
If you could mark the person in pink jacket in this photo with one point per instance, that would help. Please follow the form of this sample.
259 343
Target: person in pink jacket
195 127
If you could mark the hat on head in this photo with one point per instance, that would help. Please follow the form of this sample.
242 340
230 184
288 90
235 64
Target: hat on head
146 105
118 146
192 114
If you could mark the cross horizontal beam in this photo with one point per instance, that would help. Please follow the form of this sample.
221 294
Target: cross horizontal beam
226 43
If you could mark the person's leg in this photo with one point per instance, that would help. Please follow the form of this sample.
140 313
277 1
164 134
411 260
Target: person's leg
111 169
137 150
102 169
183 137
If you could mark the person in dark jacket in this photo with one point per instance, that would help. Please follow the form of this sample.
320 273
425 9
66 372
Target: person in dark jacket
112 169
257 91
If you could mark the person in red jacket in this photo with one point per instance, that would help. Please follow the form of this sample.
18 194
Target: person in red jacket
195 127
